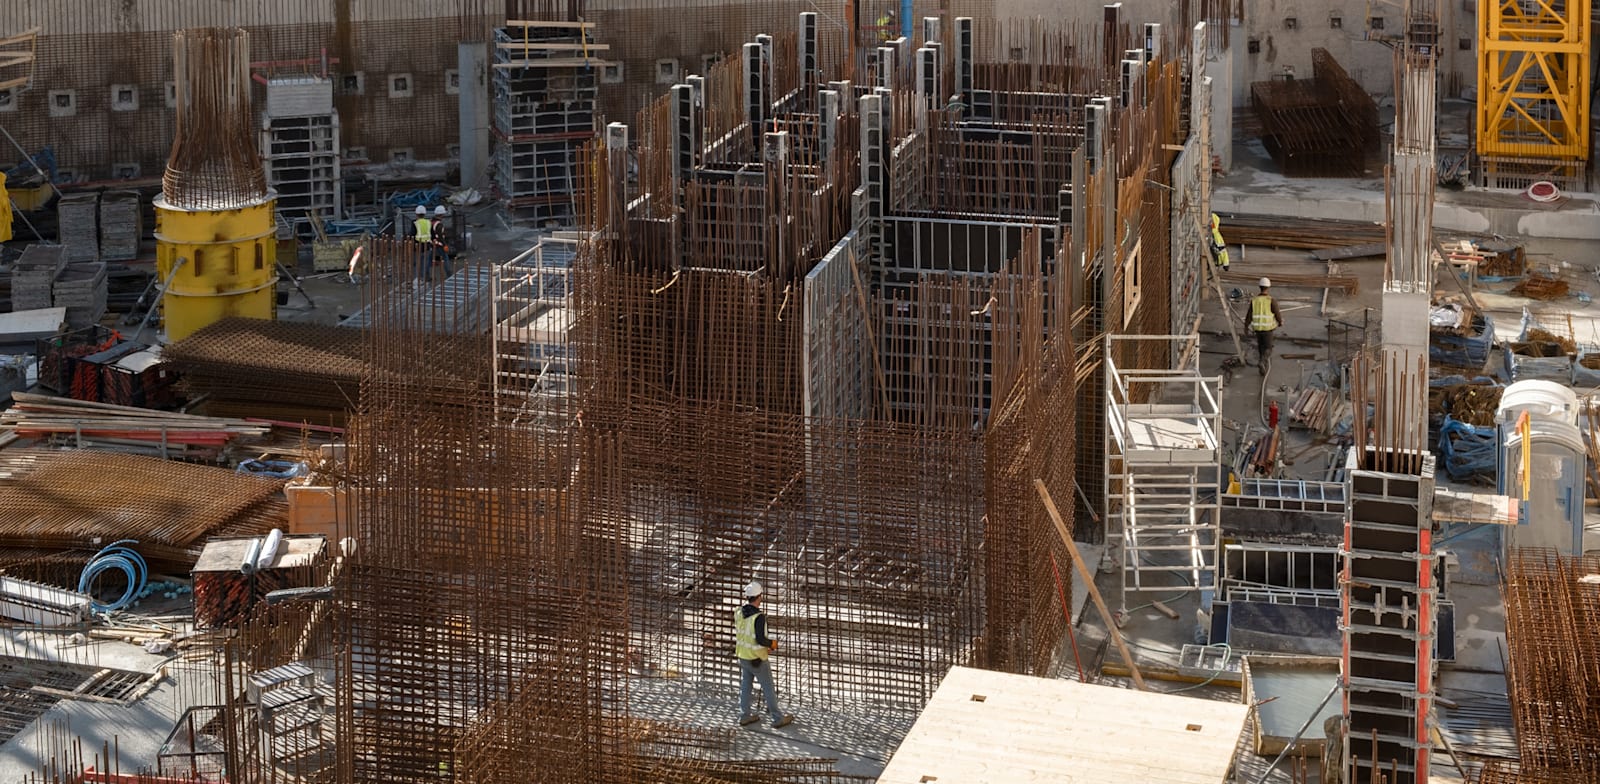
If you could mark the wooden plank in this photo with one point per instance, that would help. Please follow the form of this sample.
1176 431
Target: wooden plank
537 23
26 36
1088 578
556 62
1350 251
554 47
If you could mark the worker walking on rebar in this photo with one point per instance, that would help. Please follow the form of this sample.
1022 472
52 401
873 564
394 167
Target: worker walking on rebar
1264 319
422 232
753 646
1219 249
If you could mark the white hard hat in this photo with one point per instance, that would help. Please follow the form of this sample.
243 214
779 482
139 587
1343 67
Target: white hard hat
439 210
1265 283
421 210
753 589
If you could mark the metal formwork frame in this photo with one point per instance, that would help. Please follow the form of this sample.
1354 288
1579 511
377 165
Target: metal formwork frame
1162 447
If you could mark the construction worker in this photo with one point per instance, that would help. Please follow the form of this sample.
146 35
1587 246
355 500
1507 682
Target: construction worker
1219 249
422 232
753 646
1264 319
886 26
442 239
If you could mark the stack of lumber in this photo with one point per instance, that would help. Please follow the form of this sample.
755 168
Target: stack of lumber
78 219
81 289
1308 233
1345 283
125 429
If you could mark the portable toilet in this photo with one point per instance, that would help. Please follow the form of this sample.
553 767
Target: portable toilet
1549 484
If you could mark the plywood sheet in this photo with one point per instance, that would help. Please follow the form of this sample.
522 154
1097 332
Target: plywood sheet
984 726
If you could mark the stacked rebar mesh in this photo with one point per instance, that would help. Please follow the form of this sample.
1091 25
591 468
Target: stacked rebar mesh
214 163
277 369
81 500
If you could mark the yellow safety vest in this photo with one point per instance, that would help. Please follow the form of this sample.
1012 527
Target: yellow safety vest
744 631
1261 318
424 230
1219 248
886 27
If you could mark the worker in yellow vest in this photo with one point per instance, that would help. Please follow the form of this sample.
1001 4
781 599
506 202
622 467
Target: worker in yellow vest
886 26
1264 319
422 232
1219 249
753 646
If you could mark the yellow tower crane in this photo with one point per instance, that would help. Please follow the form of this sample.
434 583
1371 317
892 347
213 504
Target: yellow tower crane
1533 91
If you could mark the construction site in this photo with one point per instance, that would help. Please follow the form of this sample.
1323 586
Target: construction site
798 393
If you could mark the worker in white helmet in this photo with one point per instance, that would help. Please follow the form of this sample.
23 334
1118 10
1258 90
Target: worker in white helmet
442 235
422 232
753 646
1264 319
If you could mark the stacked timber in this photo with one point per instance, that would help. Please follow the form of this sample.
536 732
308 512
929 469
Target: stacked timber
68 422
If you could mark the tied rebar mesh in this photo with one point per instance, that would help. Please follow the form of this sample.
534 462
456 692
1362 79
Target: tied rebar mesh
214 162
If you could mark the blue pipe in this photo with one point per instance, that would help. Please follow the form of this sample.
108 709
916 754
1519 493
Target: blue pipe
905 19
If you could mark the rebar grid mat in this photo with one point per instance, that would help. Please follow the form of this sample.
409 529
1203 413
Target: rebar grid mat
1552 610
73 500
311 368
214 162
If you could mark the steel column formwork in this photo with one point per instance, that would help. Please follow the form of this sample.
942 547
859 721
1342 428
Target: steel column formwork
1533 91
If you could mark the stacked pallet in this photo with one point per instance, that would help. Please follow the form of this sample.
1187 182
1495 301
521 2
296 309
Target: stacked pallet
120 225
78 226
81 289
33 276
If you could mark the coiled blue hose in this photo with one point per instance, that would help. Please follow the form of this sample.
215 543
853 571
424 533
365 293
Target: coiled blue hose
115 556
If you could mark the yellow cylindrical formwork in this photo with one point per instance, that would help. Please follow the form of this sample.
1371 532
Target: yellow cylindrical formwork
5 210
215 263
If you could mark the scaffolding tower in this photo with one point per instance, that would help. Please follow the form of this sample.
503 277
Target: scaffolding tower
1162 449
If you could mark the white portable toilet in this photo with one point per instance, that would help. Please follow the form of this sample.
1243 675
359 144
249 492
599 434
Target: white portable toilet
1553 514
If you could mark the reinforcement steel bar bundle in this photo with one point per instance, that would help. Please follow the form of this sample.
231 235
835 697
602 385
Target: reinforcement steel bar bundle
82 499
214 162
278 369
1552 611
1325 126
